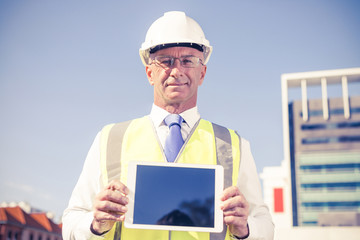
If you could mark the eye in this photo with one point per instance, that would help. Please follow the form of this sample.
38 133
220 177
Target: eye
165 61
187 61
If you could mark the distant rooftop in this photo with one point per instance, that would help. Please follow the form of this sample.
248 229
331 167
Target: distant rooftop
17 216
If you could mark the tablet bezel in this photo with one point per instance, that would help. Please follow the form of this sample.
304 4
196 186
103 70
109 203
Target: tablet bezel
218 213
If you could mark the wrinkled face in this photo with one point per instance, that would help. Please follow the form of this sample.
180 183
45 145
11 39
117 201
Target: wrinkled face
177 85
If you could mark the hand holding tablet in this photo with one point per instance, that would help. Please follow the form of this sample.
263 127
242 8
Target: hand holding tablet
109 207
174 196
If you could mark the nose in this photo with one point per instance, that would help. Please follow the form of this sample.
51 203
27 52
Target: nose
176 69
175 63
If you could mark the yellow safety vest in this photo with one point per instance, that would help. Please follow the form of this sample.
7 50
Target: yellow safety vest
208 143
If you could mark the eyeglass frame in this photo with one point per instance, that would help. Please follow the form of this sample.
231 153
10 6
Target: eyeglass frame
173 59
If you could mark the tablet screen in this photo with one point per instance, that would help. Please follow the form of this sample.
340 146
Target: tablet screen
182 196
174 196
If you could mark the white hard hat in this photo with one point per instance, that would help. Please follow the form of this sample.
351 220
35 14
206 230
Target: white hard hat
174 29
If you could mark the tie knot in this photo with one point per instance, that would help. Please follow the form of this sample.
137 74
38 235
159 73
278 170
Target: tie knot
173 119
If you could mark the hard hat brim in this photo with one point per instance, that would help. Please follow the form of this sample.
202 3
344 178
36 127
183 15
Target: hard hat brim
169 45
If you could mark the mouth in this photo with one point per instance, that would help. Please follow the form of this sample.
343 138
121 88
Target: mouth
176 84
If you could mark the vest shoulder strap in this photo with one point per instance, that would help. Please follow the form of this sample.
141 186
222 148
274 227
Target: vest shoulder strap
111 141
229 158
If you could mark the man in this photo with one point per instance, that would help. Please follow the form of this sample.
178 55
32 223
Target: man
174 53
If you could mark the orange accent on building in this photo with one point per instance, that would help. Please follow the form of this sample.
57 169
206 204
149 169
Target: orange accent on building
278 200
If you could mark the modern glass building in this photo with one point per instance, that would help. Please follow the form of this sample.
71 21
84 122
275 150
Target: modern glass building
322 145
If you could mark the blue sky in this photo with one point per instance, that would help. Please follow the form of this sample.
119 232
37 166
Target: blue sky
67 68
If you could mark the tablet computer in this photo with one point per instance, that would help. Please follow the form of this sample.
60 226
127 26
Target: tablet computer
175 196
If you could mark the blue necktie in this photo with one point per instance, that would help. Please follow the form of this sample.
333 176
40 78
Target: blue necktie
174 140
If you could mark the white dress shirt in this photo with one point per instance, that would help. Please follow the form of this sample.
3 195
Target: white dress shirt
79 213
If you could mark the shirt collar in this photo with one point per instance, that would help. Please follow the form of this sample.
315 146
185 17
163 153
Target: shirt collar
191 116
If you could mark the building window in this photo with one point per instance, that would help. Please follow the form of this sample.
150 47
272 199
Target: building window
326 140
342 167
9 235
31 236
337 111
321 126
339 185
349 204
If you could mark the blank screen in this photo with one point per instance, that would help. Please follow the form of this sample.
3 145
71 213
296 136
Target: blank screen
177 196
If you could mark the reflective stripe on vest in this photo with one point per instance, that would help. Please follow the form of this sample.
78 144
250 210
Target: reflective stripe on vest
208 143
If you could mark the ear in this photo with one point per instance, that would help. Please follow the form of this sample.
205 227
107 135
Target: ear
202 74
148 70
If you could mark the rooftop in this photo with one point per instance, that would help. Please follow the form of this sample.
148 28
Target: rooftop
17 216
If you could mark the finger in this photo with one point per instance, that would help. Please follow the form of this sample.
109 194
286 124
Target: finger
108 195
234 202
116 185
239 212
115 196
234 220
107 216
110 207
230 192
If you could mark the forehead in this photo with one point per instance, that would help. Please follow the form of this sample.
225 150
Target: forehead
179 51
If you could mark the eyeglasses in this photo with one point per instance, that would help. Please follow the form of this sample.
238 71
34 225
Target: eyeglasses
168 61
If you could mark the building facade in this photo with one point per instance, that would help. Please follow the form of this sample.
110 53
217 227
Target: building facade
325 163
16 224
322 150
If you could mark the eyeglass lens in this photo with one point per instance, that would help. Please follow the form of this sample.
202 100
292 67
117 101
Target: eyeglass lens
186 61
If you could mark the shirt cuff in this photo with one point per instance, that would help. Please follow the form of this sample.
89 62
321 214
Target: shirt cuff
233 237
83 229
97 234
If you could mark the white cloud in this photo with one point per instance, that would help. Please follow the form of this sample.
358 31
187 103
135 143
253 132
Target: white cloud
21 190
22 187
